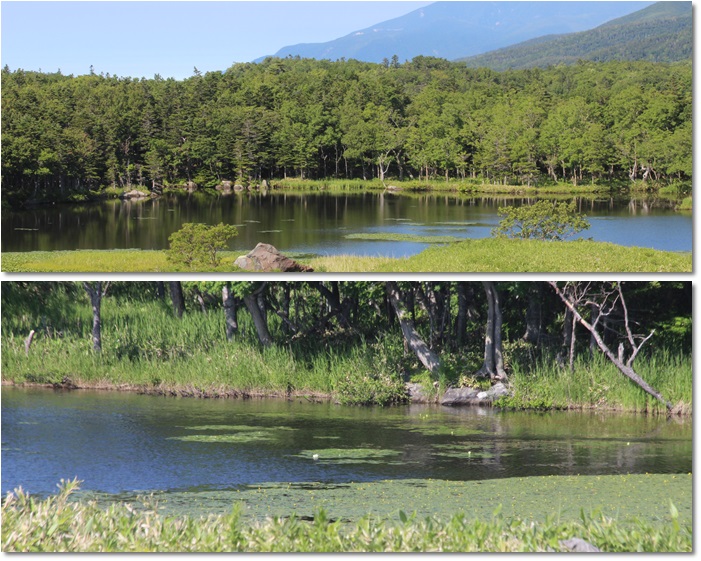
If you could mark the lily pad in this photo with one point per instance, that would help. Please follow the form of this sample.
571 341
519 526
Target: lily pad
235 428
349 455
446 430
252 436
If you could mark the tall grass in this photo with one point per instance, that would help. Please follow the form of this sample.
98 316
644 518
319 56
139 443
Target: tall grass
595 382
57 524
145 346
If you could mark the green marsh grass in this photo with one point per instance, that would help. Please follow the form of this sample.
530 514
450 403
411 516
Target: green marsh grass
596 383
475 255
57 524
147 349
494 255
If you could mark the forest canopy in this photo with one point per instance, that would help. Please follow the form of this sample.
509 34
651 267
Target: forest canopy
612 122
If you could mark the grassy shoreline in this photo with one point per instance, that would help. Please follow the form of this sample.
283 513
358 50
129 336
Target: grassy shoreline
473 255
468 186
59 524
147 349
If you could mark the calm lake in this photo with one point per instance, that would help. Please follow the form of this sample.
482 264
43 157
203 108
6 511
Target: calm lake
123 442
319 222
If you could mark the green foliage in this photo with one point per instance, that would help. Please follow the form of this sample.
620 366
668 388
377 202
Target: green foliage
370 388
57 524
471 256
196 245
686 204
543 220
503 255
69 137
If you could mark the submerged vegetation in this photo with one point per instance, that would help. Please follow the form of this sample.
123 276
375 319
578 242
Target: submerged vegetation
317 339
60 524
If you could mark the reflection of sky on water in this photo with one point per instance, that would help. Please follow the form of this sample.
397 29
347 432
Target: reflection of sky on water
318 223
124 442
668 233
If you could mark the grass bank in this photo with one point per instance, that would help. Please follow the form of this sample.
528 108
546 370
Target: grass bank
596 384
495 255
469 256
58 524
147 349
469 186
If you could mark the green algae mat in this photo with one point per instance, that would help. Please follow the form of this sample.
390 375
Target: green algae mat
625 498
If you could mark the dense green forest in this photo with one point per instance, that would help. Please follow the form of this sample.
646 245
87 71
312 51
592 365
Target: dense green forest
616 122
660 33
358 341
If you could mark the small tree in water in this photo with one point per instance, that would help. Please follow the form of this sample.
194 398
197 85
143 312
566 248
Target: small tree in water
543 220
198 244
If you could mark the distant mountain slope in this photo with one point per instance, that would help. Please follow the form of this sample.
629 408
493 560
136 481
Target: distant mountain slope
660 33
457 29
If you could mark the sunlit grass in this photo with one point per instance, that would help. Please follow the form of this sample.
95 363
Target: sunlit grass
596 383
59 524
523 256
478 255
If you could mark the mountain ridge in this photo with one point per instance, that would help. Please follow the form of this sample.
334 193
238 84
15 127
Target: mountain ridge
661 32
459 29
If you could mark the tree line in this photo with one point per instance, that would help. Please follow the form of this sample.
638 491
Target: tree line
614 122
477 328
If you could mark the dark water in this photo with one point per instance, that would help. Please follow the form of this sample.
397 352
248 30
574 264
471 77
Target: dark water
318 222
119 442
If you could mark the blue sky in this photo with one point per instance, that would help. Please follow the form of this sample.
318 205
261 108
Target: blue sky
140 39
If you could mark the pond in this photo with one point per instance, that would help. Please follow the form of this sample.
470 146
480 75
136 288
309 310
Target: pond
124 443
321 223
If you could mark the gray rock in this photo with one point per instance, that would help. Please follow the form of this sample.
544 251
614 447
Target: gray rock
458 396
578 545
265 258
224 187
417 393
134 194
238 187
497 390
191 186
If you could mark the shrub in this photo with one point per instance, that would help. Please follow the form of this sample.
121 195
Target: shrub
543 220
198 244
371 389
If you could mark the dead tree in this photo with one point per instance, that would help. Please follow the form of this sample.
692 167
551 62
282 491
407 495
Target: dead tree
580 295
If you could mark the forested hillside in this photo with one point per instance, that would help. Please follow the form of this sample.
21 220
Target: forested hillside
615 122
660 33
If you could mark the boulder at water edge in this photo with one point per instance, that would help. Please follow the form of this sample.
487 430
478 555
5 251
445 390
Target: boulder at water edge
265 258
134 194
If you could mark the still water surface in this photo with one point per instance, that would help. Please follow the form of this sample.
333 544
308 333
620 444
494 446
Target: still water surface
319 222
122 442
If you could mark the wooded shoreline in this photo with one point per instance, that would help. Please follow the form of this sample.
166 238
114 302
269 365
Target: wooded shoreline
525 345
426 119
